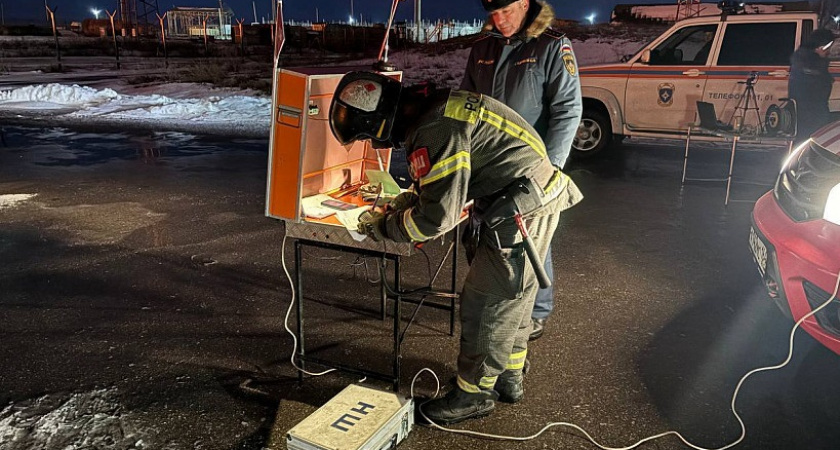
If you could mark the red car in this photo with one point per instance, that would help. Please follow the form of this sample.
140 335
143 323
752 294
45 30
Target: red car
795 235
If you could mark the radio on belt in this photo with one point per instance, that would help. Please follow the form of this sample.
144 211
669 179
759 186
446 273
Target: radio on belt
358 418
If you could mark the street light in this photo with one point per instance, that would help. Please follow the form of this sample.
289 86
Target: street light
591 18
96 12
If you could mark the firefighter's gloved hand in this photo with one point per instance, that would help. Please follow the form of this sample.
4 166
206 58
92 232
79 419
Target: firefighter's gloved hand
404 201
372 224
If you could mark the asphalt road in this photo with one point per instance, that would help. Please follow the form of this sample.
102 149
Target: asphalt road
142 301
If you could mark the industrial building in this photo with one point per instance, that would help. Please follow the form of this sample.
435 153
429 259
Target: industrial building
195 22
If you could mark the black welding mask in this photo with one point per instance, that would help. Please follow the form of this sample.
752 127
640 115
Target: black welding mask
363 107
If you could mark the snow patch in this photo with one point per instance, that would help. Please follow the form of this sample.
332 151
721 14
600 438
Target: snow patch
12 200
60 94
61 421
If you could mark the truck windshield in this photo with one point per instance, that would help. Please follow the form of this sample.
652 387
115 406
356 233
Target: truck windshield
689 46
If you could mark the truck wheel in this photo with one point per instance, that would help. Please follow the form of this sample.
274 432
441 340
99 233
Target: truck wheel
594 134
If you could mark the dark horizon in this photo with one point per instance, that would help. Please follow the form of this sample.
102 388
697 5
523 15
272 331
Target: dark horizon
325 10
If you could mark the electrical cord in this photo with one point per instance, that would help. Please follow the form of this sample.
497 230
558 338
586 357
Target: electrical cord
649 438
554 424
289 311
382 279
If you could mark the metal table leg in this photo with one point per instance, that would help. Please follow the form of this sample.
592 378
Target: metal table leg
731 164
685 158
397 317
385 294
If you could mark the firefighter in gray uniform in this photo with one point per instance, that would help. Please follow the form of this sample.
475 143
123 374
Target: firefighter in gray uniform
530 67
463 146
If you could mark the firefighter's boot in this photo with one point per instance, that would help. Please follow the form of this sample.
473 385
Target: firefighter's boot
509 386
459 405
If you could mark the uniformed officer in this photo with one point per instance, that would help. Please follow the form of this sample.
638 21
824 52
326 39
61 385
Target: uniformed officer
529 66
810 83
463 146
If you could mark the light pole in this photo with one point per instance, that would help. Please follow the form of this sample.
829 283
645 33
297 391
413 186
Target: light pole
96 12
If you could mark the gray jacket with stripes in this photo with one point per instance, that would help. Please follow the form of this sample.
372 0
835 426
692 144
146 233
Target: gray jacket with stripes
468 146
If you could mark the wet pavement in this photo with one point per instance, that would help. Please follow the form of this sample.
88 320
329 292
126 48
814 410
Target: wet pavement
142 301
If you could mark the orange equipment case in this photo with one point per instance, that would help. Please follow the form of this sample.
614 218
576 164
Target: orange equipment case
304 156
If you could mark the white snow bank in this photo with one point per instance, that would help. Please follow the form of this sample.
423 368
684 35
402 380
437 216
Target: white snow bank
60 94
12 200
603 51
65 104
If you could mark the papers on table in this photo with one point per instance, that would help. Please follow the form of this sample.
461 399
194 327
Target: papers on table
312 206
390 188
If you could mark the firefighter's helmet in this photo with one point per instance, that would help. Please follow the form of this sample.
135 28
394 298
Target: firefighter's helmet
364 106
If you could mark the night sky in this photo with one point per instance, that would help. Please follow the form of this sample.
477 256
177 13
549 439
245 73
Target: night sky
33 10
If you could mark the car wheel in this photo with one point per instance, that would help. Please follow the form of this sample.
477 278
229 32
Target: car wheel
594 134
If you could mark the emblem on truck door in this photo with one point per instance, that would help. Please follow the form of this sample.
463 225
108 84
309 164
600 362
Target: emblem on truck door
666 94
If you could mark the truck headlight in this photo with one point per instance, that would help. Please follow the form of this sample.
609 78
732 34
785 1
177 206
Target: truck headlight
832 206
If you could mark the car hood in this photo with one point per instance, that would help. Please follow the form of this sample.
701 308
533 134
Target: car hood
828 137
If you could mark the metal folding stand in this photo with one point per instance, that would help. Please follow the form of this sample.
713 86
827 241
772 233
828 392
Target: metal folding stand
397 294
735 137
726 136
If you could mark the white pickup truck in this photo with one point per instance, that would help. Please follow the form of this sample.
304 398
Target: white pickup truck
655 93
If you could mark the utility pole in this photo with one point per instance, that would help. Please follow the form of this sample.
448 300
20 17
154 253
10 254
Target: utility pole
114 33
254 5
204 28
163 37
417 19
51 16
221 21
241 36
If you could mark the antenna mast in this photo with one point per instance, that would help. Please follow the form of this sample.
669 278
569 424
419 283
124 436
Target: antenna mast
687 9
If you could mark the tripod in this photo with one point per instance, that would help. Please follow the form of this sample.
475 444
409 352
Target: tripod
747 98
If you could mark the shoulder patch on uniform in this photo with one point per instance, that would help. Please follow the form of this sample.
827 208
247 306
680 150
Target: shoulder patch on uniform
555 34
569 63
419 164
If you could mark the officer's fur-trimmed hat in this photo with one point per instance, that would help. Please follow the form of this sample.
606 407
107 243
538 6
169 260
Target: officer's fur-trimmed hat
492 5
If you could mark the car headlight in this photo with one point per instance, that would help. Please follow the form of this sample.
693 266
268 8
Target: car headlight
832 206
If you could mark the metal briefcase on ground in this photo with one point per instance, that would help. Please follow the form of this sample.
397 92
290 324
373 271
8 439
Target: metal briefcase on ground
358 418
